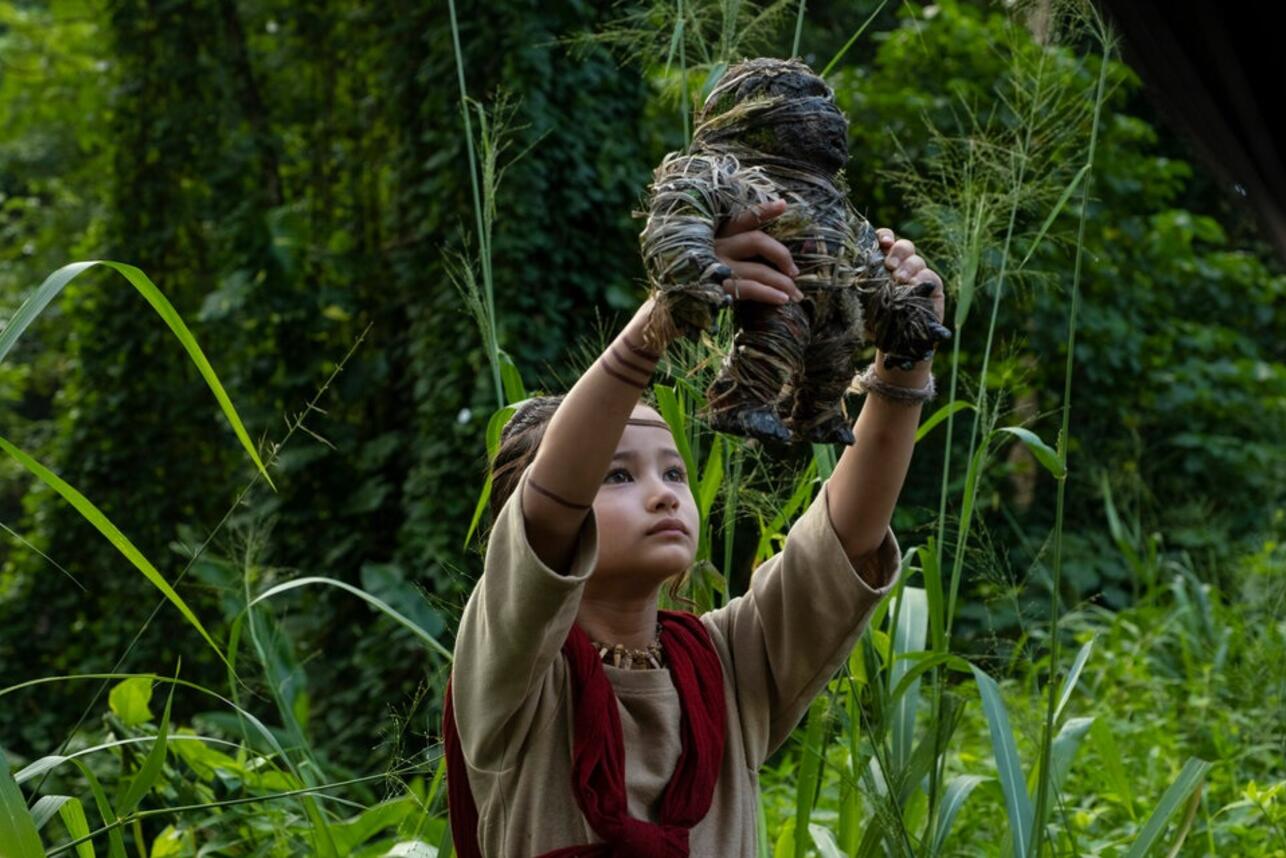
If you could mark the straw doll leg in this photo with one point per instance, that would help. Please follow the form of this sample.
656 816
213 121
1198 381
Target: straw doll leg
830 357
766 352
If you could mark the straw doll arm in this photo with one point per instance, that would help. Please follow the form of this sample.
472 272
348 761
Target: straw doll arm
690 198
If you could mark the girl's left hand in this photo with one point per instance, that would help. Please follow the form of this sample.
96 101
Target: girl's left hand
908 267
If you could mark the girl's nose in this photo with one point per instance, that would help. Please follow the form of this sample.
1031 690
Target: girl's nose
665 497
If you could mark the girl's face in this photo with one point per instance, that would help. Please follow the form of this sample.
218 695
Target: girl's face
646 485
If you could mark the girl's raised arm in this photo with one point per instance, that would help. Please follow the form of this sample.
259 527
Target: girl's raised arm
578 444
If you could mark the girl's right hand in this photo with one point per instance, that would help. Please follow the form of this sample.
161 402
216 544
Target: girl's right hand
741 245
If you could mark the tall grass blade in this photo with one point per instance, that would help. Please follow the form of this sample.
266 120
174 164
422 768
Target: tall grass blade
1054 213
839 55
104 526
1194 770
495 426
55 283
803 489
1109 756
151 768
810 770
511 378
938 416
18 835
953 798
667 401
908 637
46 807
373 601
1008 768
115 840
1073 676
73 816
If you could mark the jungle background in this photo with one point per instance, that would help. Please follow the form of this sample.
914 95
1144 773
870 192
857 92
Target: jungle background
295 178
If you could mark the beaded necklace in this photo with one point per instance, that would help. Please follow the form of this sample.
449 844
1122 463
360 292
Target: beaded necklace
617 655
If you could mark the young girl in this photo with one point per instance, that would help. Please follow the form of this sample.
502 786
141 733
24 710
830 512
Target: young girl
580 719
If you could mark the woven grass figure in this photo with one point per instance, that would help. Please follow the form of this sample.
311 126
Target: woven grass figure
770 130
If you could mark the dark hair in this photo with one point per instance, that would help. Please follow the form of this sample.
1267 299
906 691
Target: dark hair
519 441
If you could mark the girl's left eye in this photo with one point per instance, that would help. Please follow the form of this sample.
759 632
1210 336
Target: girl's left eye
682 475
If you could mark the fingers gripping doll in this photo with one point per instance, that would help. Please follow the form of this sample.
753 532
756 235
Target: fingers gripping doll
770 130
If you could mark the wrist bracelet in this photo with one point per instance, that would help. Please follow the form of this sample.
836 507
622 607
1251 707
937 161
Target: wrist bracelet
868 382
624 364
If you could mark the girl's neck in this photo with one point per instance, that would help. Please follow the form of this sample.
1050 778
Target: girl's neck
629 622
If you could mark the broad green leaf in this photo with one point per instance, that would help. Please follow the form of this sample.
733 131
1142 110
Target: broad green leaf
352 833
151 768
411 849
1044 454
54 283
104 526
1194 770
922 663
18 836
168 844
1008 767
129 701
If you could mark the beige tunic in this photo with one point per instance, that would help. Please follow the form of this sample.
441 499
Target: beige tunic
779 643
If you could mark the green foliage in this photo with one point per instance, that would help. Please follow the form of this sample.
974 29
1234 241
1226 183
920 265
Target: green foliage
293 180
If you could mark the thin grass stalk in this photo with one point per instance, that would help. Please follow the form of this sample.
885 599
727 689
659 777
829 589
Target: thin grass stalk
683 76
969 275
958 550
957 560
484 237
1042 789
799 29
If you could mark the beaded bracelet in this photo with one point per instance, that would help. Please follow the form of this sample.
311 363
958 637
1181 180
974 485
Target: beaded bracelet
867 381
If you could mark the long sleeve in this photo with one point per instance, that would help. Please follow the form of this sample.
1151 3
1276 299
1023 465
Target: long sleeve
511 632
801 617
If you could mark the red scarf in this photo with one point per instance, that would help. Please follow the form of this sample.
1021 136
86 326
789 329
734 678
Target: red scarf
598 754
